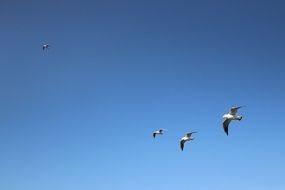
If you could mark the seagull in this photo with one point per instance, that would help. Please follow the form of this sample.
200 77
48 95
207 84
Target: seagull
229 117
187 137
158 132
46 46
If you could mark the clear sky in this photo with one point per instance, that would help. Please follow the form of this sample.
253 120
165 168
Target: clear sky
80 115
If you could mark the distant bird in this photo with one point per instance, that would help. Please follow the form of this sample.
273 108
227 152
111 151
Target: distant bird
158 132
187 137
229 117
46 46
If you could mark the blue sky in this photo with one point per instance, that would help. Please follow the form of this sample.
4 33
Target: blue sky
80 115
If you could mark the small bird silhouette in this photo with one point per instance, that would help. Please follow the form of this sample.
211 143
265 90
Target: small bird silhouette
187 137
158 132
229 117
46 46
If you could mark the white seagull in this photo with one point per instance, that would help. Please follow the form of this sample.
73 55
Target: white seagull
46 46
229 117
187 137
158 132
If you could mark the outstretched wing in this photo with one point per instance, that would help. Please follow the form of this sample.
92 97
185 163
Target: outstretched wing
226 125
182 144
190 134
234 110
153 134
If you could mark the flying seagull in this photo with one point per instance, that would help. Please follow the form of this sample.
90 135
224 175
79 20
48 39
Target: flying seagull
229 117
158 132
46 46
187 137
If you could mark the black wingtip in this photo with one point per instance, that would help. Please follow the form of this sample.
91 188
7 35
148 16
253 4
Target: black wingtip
226 129
181 146
241 107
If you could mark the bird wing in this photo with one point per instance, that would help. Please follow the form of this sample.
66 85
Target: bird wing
153 135
226 125
182 144
234 110
43 47
190 134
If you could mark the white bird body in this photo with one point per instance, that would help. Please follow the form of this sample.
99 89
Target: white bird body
229 117
187 138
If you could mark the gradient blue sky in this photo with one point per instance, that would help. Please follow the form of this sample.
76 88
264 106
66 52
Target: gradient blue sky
80 115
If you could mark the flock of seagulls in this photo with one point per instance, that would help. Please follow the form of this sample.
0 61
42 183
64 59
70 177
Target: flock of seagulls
232 115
